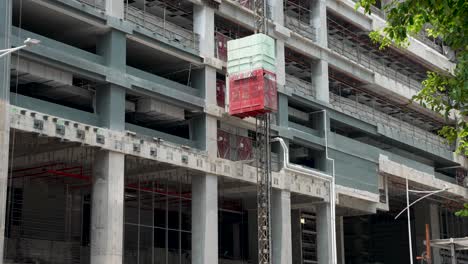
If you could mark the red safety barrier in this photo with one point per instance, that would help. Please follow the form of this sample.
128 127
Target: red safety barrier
252 93
244 146
221 46
224 148
220 92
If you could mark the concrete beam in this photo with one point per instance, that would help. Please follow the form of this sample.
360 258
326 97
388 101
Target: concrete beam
76 10
400 170
165 152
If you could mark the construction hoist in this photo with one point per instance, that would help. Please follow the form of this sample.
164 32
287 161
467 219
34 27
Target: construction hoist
263 160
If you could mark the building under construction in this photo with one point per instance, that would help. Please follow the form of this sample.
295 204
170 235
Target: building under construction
120 143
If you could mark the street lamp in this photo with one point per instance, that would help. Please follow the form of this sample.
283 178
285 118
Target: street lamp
27 43
408 205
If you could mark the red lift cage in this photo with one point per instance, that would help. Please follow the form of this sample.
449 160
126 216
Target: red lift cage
252 93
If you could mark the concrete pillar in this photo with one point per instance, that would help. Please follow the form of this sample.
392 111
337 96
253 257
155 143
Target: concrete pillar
276 11
236 232
107 208
435 231
112 46
340 240
253 236
203 25
107 200
5 34
296 229
205 129
318 19
281 227
205 219
324 226
283 115
115 8
109 102
426 213
319 80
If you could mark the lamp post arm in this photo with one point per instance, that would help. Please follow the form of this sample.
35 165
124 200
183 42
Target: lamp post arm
419 199
8 51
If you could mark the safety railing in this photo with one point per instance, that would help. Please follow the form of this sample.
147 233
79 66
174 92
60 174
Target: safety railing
98 4
356 53
374 116
162 27
435 43
300 27
297 18
300 87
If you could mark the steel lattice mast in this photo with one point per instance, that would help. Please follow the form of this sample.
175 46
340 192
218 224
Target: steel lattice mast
263 159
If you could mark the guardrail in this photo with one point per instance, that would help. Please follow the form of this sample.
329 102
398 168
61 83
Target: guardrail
162 27
357 54
296 23
373 116
299 86
98 4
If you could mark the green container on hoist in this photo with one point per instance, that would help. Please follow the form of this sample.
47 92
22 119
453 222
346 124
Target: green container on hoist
249 53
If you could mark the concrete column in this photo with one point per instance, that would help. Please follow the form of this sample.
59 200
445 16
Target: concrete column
205 219
107 204
204 129
107 208
283 115
112 46
296 229
115 8
5 34
435 231
320 80
253 237
110 106
318 19
236 250
324 226
426 213
340 252
203 25
280 65
277 11
281 227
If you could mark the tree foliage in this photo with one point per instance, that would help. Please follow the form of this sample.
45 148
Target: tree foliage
442 92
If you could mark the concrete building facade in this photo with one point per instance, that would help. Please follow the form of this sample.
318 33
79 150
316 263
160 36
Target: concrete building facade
116 146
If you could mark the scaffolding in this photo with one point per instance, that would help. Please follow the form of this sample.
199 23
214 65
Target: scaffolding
147 15
297 17
346 97
300 87
355 44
